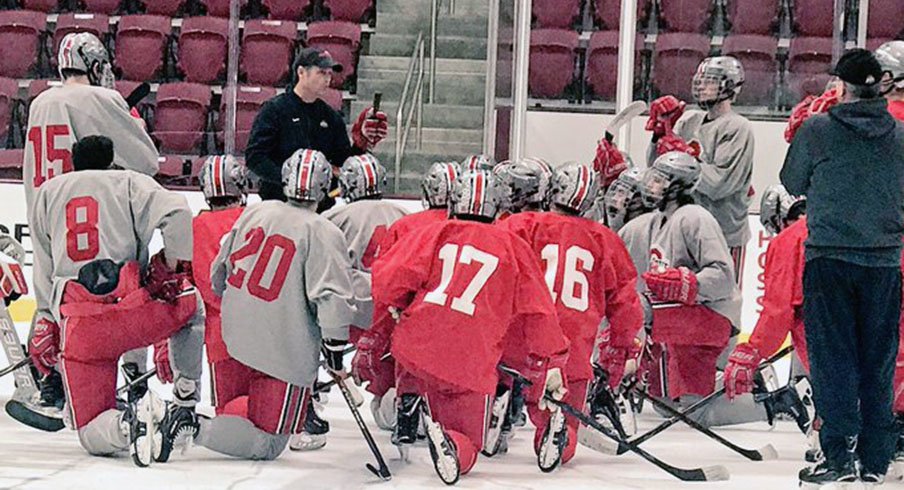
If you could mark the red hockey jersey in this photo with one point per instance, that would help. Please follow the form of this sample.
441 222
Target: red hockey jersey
462 286
590 276
209 228
413 221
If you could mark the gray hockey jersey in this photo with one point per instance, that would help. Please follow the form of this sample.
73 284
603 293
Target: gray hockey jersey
90 215
283 274
727 170
364 224
60 116
687 237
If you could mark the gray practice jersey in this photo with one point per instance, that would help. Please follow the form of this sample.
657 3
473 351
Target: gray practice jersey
60 116
91 215
727 170
283 274
364 224
689 237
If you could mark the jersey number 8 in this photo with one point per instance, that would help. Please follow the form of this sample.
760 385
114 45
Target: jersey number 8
255 242
82 237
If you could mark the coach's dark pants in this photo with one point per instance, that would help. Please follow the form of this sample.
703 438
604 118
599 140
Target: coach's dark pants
851 321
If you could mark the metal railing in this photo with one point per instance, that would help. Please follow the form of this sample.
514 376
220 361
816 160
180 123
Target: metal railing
416 65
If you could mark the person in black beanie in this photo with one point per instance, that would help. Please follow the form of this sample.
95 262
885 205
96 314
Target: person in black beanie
849 163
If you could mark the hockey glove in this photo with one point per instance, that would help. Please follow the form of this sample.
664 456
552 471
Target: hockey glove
333 351
162 361
541 372
811 105
44 346
12 280
164 283
370 128
664 113
740 370
674 143
673 285
554 386
609 163
613 359
365 364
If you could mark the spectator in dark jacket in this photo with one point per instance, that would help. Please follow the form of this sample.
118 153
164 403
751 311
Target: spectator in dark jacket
849 163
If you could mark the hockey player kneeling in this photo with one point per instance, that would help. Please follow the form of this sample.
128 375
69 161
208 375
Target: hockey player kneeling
91 228
468 292
283 274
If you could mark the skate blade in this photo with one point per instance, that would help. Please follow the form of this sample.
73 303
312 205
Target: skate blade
143 446
307 442
855 485
404 452
446 465
550 456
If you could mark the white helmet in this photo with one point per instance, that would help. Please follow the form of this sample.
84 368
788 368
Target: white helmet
891 56
777 206
517 184
83 52
437 184
362 177
623 201
223 176
574 187
476 194
672 173
477 162
306 176
723 73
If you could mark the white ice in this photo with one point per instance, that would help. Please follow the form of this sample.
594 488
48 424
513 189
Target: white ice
30 459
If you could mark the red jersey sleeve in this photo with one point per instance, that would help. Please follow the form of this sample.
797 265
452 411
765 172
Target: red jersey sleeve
401 271
779 279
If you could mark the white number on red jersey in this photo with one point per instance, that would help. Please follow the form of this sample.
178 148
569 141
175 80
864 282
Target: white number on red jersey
575 286
448 255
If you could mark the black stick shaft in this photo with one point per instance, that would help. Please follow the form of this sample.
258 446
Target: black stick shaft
383 471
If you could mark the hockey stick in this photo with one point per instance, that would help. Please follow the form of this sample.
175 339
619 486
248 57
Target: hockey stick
629 112
20 364
383 471
141 379
138 94
701 403
709 473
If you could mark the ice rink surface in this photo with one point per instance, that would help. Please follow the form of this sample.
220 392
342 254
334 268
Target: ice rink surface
30 459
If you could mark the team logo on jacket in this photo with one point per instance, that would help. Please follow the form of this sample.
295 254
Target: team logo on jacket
658 262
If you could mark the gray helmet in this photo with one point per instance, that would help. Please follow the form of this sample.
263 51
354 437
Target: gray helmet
574 187
83 52
437 184
543 172
361 177
223 176
306 176
477 162
476 193
518 183
671 174
891 57
724 73
777 205
623 200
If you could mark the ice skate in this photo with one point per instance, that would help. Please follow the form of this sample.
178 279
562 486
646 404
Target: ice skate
140 421
495 437
408 422
555 438
179 428
314 434
443 452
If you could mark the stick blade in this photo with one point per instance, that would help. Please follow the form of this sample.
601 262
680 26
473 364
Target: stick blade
768 452
384 475
716 473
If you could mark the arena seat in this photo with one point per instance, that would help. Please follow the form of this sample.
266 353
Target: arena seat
180 120
107 7
170 172
286 9
885 18
675 60
9 97
607 13
47 6
813 17
556 13
219 8
602 62
685 15
552 61
141 45
248 101
348 10
202 48
757 56
333 98
11 164
22 29
97 24
169 8
342 40
809 62
268 47
748 17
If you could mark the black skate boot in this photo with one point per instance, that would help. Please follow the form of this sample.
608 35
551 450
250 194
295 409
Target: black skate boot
52 395
825 472
552 445
442 451
408 421
313 436
139 421
794 400
178 428
131 372
496 433
516 407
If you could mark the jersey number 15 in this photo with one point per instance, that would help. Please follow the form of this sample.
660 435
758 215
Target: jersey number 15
46 153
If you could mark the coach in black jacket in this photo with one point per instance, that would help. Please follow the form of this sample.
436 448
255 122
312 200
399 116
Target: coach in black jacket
849 164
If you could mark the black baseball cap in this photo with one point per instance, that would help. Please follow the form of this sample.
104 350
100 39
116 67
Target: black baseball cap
858 67
309 57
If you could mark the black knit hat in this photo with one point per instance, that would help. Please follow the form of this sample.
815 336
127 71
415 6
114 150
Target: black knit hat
858 67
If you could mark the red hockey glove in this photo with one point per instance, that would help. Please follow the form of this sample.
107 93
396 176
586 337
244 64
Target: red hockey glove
546 377
162 361
810 106
739 371
370 128
664 113
12 280
675 143
609 163
614 359
44 346
673 285
366 363
164 283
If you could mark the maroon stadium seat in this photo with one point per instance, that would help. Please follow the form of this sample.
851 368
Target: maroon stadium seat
333 98
267 49
286 9
675 60
220 8
556 13
608 12
809 62
42 5
196 165
170 172
350 10
180 120
141 45
602 62
11 164
108 7
342 40
885 18
757 56
169 8
97 24
202 48
748 17
22 29
813 17
685 15
552 57
9 94
248 101
873 43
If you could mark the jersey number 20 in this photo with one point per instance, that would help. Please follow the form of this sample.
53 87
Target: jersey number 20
448 255
46 154
263 248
